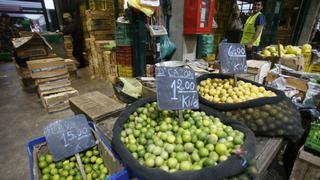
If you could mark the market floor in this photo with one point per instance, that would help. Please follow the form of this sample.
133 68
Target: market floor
23 118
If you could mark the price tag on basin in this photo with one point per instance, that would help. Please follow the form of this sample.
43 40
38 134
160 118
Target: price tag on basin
176 88
233 58
68 136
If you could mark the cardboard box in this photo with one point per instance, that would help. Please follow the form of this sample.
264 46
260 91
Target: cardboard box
32 46
296 63
45 68
257 70
296 83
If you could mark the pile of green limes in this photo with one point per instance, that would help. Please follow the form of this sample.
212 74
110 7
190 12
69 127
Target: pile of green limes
157 139
68 169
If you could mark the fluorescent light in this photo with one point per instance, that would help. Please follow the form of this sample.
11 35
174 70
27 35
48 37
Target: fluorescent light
49 4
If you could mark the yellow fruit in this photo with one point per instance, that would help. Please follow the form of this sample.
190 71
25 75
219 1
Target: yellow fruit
261 89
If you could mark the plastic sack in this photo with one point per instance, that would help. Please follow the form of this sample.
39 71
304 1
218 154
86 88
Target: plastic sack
313 95
131 86
234 165
147 10
268 116
204 45
166 47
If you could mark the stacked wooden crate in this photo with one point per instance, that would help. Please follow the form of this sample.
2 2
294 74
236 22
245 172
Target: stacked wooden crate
68 45
102 57
52 78
101 24
72 67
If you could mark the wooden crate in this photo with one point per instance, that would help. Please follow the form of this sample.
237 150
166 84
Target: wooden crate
58 101
306 166
51 79
71 64
53 85
45 68
102 35
95 105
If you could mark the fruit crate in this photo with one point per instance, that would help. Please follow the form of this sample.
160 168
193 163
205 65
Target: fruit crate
111 161
313 139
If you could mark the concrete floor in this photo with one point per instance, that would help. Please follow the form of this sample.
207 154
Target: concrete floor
23 118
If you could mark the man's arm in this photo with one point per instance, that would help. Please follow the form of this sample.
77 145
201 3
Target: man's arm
255 36
69 29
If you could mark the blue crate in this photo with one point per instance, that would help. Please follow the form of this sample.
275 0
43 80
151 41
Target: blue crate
122 175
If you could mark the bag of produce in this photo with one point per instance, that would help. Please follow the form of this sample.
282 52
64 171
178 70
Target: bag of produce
156 144
266 111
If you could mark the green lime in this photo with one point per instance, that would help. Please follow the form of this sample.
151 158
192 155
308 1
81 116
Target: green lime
195 156
73 159
49 158
199 144
86 160
99 160
189 147
52 165
222 158
53 171
104 170
179 148
69 178
210 147
182 156
67 167
149 162
212 139
72 165
42 164
55 177
59 165
170 148
72 172
94 175
45 170
95 167
208 162
102 176
96 152
89 176
78 177
203 152
186 138
93 159
172 163
88 169
89 153
46 177
185 165
221 149
159 161
64 173
42 158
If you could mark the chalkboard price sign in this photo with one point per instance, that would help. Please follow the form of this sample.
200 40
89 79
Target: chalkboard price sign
233 58
68 136
176 88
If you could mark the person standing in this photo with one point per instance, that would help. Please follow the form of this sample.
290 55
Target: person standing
73 28
235 26
253 29
7 33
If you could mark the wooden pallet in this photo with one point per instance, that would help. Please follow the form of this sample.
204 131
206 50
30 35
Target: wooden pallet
95 105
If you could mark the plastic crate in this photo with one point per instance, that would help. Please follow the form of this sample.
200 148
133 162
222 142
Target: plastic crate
313 139
121 175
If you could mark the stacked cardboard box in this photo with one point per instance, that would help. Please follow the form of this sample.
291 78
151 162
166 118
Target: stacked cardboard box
52 78
124 61
29 47
101 24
